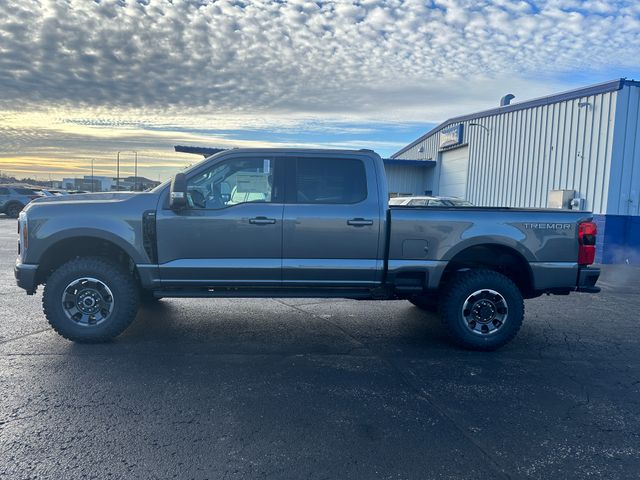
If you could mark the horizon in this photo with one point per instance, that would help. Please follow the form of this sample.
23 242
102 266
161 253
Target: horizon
84 80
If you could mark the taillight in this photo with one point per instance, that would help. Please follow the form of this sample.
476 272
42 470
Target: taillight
587 232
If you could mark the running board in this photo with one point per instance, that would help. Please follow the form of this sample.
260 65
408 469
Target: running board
238 292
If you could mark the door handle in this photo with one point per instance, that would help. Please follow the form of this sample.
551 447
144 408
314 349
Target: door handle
262 221
359 222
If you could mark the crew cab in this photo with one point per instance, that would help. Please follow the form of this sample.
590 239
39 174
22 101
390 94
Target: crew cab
295 223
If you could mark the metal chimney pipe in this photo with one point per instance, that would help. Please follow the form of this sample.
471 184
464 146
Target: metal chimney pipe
506 100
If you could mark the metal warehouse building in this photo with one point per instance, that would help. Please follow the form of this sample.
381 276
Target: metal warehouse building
577 149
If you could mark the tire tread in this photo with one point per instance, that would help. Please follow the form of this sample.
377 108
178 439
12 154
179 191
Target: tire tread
449 308
128 302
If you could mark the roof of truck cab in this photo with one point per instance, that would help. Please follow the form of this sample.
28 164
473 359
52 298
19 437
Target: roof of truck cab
210 151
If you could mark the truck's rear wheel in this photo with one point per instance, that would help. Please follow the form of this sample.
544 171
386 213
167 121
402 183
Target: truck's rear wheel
90 300
483 309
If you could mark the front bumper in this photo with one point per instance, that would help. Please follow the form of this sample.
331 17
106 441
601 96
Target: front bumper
25 274
587 278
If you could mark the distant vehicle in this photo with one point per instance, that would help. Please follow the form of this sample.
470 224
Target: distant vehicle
429 202
296 223
47 192
13 198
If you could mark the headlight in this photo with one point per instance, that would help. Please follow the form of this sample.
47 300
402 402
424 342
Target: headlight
23 234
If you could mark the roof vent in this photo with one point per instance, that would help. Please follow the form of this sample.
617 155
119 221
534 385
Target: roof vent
506 100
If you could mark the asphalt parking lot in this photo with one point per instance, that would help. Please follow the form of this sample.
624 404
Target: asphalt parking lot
321 389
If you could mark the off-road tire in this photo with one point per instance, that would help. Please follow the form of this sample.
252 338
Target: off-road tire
13 209
119 281
457 291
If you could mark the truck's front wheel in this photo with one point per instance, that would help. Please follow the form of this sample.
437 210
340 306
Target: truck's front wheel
483 309
90 300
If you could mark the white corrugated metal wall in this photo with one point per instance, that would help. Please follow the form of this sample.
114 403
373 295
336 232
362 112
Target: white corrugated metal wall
517 157
624 189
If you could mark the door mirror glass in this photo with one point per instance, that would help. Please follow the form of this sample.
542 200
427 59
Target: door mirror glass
178 192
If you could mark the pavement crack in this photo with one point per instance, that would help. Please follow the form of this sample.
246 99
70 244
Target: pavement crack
499 470
23 336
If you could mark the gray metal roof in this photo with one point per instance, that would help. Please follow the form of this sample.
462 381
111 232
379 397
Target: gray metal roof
596 89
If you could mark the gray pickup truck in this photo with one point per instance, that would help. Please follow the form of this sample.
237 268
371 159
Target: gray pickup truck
295 223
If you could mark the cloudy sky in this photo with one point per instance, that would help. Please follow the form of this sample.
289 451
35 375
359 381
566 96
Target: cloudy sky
82 79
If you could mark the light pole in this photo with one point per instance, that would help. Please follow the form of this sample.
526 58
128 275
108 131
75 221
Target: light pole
135 174
481 126
118 167
118 172
92 181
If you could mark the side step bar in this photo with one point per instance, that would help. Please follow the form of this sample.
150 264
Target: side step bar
236 292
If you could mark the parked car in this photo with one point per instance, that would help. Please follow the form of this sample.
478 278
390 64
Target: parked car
295 223
13 199
419 201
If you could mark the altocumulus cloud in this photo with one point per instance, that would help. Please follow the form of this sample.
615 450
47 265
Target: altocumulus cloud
126 63
300 56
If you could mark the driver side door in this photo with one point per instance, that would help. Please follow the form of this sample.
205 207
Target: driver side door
231 231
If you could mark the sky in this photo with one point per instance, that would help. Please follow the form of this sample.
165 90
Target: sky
81 80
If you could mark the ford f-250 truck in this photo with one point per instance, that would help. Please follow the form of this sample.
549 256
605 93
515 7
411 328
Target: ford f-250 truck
295 223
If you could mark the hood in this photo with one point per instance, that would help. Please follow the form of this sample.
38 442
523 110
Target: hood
87 197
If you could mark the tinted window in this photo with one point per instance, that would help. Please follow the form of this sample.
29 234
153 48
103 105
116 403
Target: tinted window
330 180
4 191
240 180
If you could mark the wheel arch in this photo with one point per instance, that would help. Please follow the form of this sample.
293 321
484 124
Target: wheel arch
504 259
70 247
11 203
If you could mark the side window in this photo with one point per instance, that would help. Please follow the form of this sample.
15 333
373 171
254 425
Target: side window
239 180
4 191
419 202
330 180
437 203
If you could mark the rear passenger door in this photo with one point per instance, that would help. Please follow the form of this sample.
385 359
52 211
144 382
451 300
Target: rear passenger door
331 222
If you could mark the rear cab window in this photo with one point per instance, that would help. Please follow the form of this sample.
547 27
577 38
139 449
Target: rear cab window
329 181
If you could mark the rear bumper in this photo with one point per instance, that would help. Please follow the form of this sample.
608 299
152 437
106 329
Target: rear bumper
26 276
587 278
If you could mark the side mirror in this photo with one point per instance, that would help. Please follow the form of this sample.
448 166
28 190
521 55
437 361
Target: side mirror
178 192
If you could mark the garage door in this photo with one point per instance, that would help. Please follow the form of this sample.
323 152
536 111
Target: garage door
453 173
